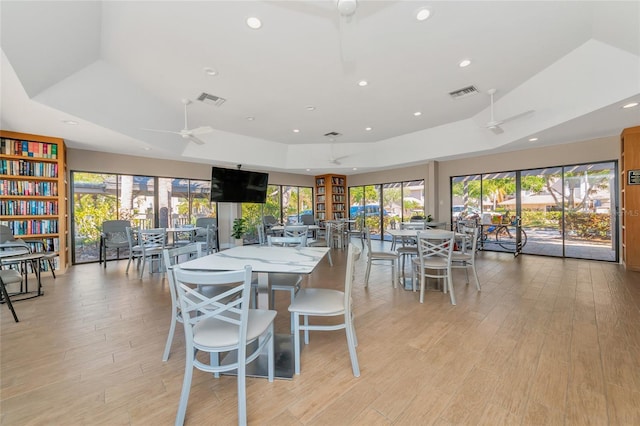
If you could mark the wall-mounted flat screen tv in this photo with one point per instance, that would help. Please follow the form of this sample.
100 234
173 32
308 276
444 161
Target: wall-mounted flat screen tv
238 186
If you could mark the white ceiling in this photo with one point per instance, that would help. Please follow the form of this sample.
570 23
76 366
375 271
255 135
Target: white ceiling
116 67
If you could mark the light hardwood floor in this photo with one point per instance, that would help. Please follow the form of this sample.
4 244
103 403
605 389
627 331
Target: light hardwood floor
547 342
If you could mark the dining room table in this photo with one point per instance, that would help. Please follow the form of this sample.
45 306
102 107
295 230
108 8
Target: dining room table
263 261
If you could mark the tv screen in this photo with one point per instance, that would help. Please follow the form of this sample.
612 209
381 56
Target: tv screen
238 186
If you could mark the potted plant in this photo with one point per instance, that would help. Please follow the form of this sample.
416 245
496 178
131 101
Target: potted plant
239 229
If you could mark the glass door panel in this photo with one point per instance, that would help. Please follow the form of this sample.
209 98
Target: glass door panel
95 200
589 217
498 210
140 200
541 210
392 204
201 206
465 197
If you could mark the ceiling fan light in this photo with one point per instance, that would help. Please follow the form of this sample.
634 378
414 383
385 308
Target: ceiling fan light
347 7
464 63
630 105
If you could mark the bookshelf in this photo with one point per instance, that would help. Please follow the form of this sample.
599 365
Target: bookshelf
630 197
33 198
331 197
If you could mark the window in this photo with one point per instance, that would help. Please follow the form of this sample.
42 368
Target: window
146 201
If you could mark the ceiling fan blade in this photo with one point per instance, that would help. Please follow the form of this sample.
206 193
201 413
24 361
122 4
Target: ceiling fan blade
196 140
161 131
521 115
201 130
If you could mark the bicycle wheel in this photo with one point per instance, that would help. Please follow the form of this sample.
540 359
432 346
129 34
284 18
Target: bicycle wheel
506 237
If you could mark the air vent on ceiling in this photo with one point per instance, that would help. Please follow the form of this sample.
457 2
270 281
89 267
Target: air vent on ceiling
211 99
464 92
332 135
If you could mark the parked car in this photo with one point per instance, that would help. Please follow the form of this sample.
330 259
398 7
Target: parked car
368 210
292 219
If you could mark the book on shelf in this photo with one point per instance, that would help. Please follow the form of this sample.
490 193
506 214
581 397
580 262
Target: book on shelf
26 148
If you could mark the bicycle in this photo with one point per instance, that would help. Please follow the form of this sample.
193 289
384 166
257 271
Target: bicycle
505 234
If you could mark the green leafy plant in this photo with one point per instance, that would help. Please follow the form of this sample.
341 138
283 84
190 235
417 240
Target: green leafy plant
240 226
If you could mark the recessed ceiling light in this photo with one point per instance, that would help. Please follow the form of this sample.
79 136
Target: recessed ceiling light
308 170
310 108
254 23
368 129
146 148
296 130
250 118
533 139
363 83
355 168
70 122
210 71
464 63
630 105
423 14
417 113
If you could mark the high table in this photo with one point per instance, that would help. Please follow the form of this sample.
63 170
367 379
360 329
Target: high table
263 260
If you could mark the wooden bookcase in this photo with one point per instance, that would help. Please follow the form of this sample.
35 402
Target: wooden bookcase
331 197
33 191
630 197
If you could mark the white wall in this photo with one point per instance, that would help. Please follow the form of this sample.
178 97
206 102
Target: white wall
435 174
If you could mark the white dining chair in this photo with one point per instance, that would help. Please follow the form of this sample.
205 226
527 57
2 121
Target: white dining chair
222 323
323 302
173 257
152 242
465 257
135 249
434 254
380 256
283 282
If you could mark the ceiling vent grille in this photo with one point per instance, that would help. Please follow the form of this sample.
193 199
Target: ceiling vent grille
211 99
464 92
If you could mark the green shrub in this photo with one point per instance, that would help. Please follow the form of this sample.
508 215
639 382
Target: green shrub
588 225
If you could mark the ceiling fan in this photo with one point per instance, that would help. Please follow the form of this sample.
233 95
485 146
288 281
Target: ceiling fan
332 158
186 133
493 124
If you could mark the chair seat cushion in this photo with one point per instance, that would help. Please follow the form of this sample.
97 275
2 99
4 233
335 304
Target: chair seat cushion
460 257
383 255
10 276
318 301
214 333
432 263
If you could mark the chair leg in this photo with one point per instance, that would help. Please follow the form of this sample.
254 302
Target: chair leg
271 354
242 393
352 348
306 329
296 342
394 276
422 284
475 275
144 262
366 275
5 295
329 256
172 329
450 285
214 361
293 296
186 388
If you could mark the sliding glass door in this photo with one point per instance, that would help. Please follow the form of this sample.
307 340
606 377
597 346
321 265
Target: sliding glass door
565 211
589 211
